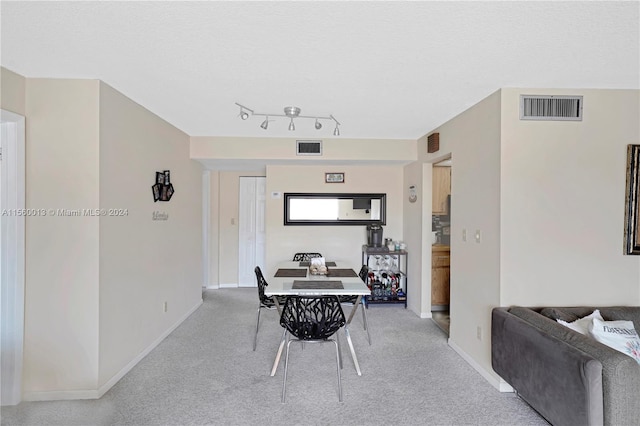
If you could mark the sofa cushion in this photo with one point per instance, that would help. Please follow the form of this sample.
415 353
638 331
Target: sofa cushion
626 313
619 335
558 314
581 325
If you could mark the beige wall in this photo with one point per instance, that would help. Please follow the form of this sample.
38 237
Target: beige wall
280 154
12 91
563 198
473 140
352 150
96 285
548 198
144 262
61 281
335 242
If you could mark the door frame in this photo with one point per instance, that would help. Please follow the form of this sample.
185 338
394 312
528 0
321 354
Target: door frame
12 269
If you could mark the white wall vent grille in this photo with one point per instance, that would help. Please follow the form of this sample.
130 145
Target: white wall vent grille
308 147
562 108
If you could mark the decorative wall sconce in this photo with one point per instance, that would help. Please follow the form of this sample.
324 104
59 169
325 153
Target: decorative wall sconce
290 112
162 189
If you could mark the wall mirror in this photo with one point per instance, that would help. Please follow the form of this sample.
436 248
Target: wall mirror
334 209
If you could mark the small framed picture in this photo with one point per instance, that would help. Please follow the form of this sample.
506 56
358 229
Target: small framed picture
334 177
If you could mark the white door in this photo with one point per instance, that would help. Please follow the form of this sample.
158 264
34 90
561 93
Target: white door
11 255
251 229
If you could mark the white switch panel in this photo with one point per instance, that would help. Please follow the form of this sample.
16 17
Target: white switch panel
464 234
477 235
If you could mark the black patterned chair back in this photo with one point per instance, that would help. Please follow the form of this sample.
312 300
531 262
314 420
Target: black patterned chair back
262 283
305 257
312 317
364 273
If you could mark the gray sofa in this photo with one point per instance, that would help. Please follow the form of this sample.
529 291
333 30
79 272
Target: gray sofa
569 378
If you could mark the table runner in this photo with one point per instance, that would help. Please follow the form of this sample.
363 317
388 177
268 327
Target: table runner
291 273
313 285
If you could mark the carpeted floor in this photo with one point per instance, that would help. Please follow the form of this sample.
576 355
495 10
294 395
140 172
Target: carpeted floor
205 373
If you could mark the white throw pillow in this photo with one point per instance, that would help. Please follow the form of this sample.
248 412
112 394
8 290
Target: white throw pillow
582 325
619 335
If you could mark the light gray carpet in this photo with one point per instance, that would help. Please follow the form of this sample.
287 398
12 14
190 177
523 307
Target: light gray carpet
205 373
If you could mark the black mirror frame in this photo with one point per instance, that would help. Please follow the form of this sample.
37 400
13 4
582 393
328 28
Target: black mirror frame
332 222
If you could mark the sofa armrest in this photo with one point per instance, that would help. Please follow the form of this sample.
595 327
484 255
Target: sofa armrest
561 382
620 372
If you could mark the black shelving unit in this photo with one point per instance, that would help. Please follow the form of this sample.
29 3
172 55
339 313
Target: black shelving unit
387 275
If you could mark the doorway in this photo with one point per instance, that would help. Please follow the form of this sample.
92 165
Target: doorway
441 248
12 222
251 228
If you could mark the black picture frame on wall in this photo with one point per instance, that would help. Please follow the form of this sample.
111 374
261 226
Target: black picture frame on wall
632 198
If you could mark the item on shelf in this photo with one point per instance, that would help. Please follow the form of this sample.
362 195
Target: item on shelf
374 235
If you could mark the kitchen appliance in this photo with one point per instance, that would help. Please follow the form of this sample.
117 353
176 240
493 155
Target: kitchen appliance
445 234
374 235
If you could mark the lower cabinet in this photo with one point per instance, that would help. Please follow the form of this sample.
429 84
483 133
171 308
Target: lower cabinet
440 261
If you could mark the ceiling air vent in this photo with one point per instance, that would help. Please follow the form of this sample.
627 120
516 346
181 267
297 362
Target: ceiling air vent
562 108
308 147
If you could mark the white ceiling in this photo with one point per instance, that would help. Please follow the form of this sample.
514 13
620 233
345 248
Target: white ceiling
385 70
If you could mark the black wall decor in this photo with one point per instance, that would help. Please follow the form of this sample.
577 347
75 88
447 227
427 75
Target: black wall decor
162 189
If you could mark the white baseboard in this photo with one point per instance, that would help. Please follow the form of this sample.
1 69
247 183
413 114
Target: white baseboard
228 285
497 383
212 287
97 393
426 315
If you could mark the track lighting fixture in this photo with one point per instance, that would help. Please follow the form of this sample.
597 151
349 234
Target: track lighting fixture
290 112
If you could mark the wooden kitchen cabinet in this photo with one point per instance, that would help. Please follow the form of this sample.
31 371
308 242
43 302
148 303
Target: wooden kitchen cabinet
440 261
441 189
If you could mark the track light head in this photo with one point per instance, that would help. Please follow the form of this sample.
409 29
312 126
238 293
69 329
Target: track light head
318 125
244 115
336 131
265 123
291 125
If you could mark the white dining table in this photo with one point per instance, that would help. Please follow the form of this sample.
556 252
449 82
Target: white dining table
283 286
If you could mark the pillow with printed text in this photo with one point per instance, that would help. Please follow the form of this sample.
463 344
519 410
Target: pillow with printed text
619 335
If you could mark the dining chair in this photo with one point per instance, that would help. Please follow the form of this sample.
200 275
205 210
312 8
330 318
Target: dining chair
351 300
312 319
265 302
305 257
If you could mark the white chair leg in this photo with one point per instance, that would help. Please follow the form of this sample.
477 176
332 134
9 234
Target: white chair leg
255 338
338 360
286 366
339 351
364 320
